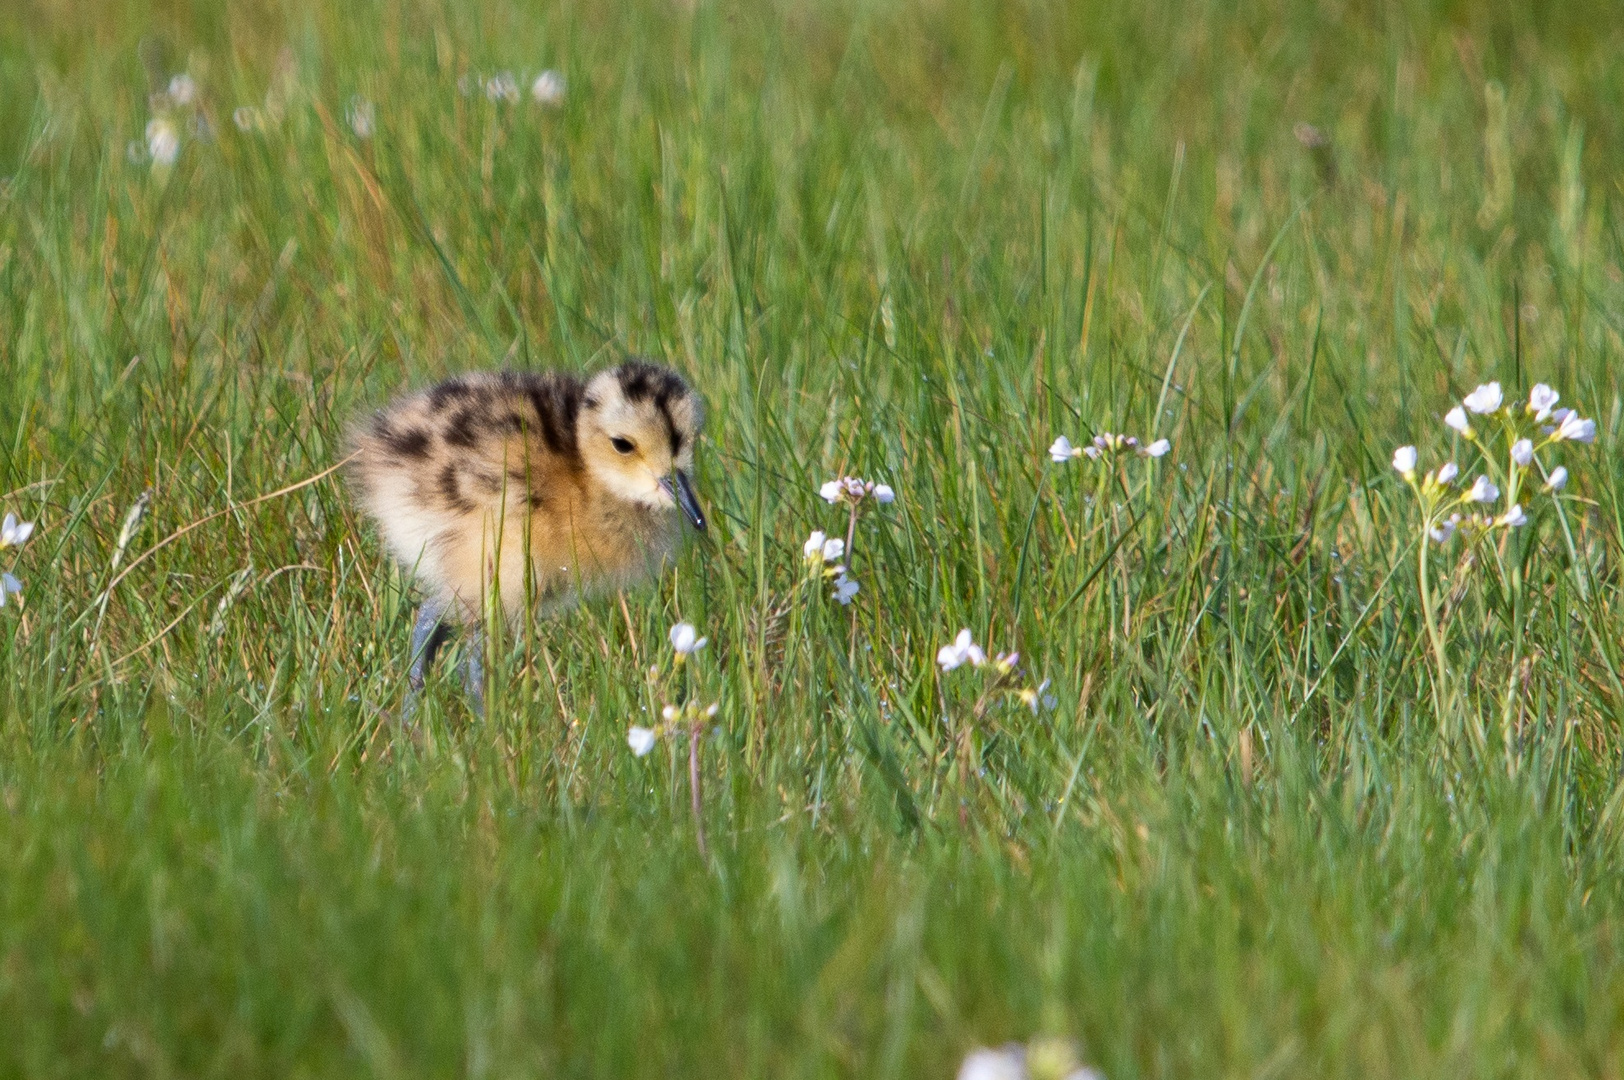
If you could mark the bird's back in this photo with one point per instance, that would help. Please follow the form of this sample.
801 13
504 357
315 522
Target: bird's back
454 476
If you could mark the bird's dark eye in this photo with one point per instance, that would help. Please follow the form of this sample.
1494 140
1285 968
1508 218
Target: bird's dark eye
623 446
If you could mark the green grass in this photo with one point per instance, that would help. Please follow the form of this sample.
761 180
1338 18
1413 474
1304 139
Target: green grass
906 240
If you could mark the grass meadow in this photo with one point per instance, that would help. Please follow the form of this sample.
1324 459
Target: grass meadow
1270 826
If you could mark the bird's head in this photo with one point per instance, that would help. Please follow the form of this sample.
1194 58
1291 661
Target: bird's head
636 433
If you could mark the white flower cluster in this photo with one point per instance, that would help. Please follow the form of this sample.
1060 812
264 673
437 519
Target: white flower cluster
685 642
1518 424
963 650
502 87
642 739
1104 446
1557 425
278 96
822 554
13 533
162 143
1042 1059
852 491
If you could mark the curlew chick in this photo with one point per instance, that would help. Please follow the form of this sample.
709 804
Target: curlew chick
528 489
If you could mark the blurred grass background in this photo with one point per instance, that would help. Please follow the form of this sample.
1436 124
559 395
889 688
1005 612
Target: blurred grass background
908 240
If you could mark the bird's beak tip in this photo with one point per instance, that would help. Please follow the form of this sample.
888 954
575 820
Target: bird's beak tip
683 492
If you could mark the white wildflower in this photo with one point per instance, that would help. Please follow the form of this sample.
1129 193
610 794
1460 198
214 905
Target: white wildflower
1404 461
1005 1063
246 117
640 739
1442 531
1447 474
1156 449
1485 399
548 89
685 640
852 490
362 117
1541 400
1483 491
9 587
963 650
1522 452
182 89
1061 451
1513 517
502 87
14 533
845 588
1558 479
1572 428
163 140
1038 698
1456 418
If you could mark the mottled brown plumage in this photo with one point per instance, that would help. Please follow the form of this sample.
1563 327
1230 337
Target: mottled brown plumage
529 488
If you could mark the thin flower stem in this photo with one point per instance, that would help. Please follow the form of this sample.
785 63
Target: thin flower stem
694 789
1440 684
1513 479
851 536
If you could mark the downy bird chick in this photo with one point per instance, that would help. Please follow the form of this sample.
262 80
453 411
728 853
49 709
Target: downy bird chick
531 489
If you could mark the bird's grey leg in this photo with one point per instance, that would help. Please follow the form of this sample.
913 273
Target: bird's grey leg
428 635
473 668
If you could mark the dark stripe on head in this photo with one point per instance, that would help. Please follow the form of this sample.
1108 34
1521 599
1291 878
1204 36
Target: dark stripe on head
463 428
411 444
556 401
664 405
451 491
640 380
449 392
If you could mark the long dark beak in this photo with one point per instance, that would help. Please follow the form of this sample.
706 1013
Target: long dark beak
683 492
